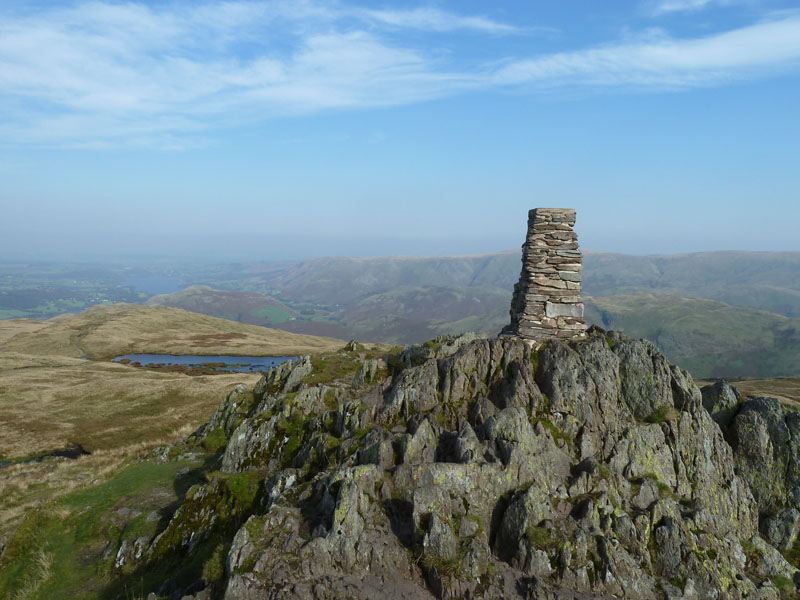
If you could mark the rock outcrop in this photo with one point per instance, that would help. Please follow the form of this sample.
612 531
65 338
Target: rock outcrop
484 468
547 300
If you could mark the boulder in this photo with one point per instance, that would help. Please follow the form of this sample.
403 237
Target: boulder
721 400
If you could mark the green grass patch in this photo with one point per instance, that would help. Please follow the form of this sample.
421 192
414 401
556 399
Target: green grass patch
792 554
215 441
214 567
444 567
274 314
785 585
678 582
436 343
360 434
294 429
555 432
329 399
333 367
540 538
69 536
244 486
664 491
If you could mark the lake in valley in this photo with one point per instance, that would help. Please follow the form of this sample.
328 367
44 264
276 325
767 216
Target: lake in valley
221 364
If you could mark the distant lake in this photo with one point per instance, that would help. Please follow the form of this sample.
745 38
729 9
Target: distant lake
155 284
233 364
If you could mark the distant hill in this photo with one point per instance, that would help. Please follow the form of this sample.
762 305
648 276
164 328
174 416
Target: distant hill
339 281
103 332
410 299
767 280
710 338
245 307
707 337
413 314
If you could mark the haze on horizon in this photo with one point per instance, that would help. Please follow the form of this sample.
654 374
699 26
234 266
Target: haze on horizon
269 130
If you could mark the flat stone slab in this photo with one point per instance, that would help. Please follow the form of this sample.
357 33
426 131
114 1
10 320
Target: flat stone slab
553 309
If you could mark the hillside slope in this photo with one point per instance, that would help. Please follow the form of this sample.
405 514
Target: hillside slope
342 281
51 401
103 332
462 468
245 307
766 280
709 338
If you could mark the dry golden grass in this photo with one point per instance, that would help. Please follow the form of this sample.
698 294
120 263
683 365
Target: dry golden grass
51 399
786 389
11 327
43 564
48 403
102 332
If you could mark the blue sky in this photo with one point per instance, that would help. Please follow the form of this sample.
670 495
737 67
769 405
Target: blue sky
270 130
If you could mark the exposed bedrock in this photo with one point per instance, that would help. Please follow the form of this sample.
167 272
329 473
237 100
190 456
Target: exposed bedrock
484 468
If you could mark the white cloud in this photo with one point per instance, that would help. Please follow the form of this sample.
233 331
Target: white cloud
99 74
664 62
432 19
661 7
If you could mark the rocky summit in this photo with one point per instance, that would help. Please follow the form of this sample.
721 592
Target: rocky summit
489 468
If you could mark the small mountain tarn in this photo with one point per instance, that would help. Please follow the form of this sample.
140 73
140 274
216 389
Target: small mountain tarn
547 299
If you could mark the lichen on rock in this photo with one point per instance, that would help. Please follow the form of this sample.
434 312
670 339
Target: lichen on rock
486 468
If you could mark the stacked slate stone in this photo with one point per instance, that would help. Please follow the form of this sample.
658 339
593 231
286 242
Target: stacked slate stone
547 300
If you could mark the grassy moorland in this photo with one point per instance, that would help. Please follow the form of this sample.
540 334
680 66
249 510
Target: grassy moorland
51 399
61 521
11 327
785 389
50 403
64 547
102 332
112 411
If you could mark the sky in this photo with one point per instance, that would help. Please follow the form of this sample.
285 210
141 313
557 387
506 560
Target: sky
268 130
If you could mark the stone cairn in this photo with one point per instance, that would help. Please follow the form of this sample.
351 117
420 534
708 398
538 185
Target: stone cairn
547 300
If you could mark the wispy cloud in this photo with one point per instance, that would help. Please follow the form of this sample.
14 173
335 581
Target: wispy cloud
660 7
432 19
660 61
96 74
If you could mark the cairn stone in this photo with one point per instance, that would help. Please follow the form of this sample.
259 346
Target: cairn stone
547 300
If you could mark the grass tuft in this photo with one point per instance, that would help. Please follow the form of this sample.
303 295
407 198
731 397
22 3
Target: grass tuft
214 567
662 414
540 538
444 567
